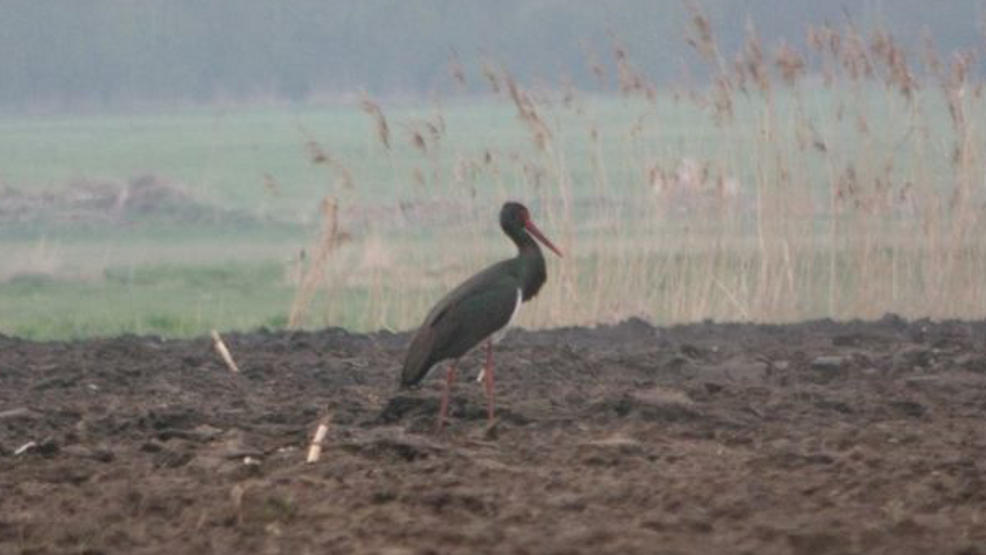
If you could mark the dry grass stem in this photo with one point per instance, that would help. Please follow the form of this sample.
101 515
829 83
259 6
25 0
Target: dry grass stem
329 240
836 180
383 130
223 351
456 69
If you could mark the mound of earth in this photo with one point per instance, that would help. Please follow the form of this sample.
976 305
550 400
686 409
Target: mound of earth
811 438
142 198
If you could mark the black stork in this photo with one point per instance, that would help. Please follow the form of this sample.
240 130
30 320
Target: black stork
480 309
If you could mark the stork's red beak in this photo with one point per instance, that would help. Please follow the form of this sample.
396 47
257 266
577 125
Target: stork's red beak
533 230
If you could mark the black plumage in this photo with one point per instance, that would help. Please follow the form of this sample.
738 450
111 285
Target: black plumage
482 305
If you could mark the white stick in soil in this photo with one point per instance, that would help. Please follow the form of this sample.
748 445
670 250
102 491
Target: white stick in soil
224 352
315 449
23 448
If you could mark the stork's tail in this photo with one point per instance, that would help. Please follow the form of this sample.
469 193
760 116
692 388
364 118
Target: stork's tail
418 361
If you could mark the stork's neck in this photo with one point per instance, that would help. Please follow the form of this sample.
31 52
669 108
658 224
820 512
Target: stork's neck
526 245
530 262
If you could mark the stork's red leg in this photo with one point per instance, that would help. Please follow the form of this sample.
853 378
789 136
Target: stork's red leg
488 377
449 382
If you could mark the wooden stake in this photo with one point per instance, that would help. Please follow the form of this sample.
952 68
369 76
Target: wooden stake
315 448
224 352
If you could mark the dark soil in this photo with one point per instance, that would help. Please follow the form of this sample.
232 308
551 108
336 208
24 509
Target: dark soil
810 438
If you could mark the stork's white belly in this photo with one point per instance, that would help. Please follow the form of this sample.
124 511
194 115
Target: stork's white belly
498 335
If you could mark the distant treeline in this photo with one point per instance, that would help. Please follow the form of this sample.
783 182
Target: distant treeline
71 54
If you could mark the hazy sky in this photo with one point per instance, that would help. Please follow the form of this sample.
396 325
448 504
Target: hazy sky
67 54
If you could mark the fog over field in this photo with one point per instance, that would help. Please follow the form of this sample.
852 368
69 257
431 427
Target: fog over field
107 54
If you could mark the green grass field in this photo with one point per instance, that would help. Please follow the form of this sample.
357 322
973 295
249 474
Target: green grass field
798 199
61 279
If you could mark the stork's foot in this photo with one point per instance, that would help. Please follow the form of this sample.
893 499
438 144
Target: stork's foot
440 425
446 392
492 430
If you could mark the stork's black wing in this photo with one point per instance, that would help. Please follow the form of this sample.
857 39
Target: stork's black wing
462 319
